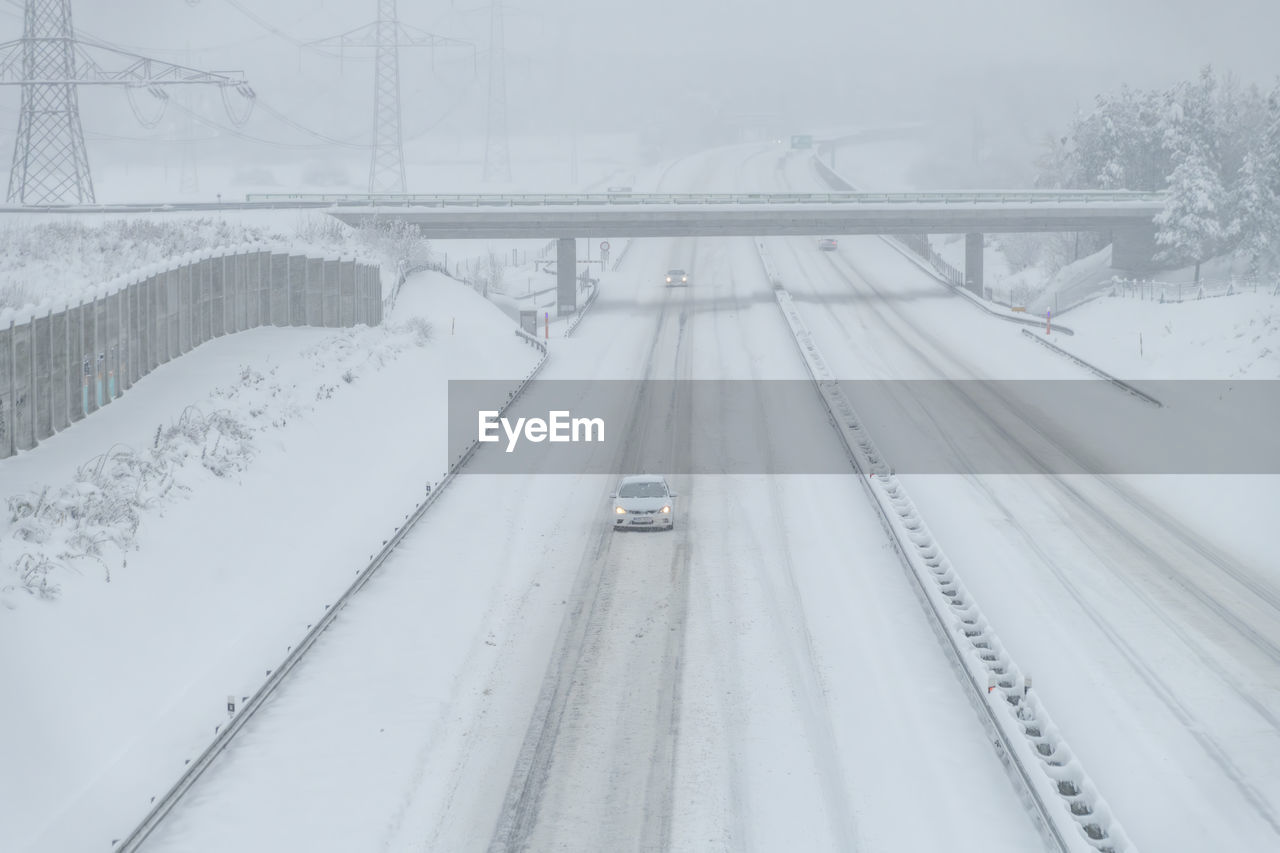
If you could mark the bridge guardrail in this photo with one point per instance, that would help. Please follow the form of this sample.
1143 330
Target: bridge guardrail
1060 197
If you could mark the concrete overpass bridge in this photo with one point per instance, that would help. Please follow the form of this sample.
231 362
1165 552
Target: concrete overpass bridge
1126 216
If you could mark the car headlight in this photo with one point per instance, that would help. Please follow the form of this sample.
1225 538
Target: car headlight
666 509
619 510
668 279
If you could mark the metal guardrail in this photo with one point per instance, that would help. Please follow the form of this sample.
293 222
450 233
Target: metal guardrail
1126 387
1095 197
1061 800
196 768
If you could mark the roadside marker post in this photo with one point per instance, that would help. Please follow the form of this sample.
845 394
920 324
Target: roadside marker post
1048 319
546 318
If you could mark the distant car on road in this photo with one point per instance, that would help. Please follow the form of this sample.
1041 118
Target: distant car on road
827 244
643 501
676 278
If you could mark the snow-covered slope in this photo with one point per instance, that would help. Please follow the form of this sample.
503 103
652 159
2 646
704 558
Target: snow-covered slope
242 488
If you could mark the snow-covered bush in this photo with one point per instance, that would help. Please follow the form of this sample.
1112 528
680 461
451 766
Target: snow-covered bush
420 329
65 258
490 274
62 258
95 518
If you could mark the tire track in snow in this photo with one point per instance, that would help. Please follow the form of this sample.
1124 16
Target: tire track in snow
805 670
577 652
1166 531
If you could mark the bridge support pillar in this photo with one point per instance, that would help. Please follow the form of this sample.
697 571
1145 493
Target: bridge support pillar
566 275
1133 248
973 263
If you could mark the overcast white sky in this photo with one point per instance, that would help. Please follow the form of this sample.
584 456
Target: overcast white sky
622 64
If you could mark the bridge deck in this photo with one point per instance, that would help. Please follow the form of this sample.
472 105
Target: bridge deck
749 214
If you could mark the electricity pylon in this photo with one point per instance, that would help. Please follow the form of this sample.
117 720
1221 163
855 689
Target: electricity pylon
387 35
497 153
50 163
188 175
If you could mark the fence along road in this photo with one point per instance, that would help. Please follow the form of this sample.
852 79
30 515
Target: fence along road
60 368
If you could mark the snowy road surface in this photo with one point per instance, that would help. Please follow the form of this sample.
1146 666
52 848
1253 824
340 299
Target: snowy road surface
761 678
1151 622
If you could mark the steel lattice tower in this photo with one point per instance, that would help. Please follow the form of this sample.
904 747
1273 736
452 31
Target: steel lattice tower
387 35
497 155
386 172
50 164
188 174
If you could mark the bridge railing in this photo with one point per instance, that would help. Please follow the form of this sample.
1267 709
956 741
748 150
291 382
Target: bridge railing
1049 197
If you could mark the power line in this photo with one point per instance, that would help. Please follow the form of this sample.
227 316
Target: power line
497 155
308 131
266 25
239 134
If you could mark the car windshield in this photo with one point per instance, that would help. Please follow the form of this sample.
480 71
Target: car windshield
675 272
642 490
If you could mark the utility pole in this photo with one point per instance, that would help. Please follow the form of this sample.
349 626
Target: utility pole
50 163
497 153
386 171
387 35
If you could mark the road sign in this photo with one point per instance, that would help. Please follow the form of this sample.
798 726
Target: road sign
604 245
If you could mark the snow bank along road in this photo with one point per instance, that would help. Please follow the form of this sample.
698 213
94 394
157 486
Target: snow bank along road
520 677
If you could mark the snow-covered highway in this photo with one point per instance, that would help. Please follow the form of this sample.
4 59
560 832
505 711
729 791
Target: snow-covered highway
518 676
764 677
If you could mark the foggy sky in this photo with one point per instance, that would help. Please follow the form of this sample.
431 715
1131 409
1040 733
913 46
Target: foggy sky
621 65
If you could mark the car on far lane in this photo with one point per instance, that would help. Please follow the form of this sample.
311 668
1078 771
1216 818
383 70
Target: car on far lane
643 502
675 278
827 244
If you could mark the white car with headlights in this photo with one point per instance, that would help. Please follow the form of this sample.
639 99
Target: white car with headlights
643 501
677 278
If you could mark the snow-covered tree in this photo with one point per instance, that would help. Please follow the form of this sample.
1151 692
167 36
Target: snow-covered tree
1212 143
1118 145
1257 213
1189 228
1256 220
1055 167
490 274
